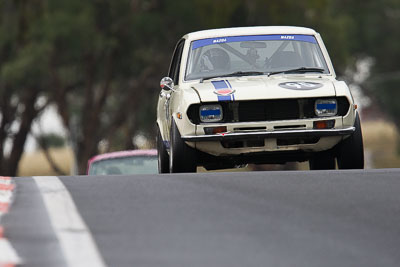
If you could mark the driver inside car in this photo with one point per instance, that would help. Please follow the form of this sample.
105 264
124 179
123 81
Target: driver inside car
215 59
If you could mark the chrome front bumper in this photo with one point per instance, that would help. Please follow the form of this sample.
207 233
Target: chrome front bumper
271 134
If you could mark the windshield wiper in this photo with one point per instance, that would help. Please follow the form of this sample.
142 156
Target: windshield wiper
297 70
234 74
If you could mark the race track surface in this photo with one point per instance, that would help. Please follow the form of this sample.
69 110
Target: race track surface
294 218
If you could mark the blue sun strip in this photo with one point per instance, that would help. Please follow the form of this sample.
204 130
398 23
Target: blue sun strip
272 37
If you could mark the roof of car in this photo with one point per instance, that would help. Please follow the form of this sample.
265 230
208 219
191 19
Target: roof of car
256 30
123 154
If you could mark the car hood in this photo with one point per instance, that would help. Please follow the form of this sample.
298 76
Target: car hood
255 88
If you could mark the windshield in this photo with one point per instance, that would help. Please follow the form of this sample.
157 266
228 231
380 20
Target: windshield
259 53
125 165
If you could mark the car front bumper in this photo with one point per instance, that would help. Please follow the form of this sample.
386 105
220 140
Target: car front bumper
231 136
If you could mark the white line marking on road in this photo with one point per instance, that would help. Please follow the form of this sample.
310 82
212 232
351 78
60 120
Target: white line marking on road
8 254
73 234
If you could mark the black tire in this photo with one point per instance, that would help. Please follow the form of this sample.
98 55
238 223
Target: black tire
323 161
351 150
163 158
182 158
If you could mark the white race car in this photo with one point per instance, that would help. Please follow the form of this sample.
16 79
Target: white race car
255 95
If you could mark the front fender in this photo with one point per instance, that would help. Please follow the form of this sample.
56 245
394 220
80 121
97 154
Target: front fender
343 90
181 100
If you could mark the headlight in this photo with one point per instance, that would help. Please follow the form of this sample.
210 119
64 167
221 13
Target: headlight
325 107
211 113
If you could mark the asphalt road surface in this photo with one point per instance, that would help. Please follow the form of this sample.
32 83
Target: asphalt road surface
296 218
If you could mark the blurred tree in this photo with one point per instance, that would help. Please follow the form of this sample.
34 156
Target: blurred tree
374 35
51 140
97 77
105 65
23 63
47 141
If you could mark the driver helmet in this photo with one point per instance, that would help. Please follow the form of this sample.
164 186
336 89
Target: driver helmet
216 59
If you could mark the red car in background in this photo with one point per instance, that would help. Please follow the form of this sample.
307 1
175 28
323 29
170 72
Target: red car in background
124 162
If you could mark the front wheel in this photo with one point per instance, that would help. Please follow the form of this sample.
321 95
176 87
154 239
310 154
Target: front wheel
351 150
182 158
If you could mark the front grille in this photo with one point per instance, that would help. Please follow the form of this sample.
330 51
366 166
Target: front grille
268 110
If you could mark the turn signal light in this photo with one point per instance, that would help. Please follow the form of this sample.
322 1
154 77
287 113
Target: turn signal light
329 124
215 130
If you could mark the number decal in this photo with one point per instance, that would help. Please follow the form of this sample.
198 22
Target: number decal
301 85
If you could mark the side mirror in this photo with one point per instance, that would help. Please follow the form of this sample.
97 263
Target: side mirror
167 84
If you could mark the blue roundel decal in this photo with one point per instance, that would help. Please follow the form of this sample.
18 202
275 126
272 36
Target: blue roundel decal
301 85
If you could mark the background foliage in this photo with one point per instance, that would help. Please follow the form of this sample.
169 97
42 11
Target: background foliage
100 61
